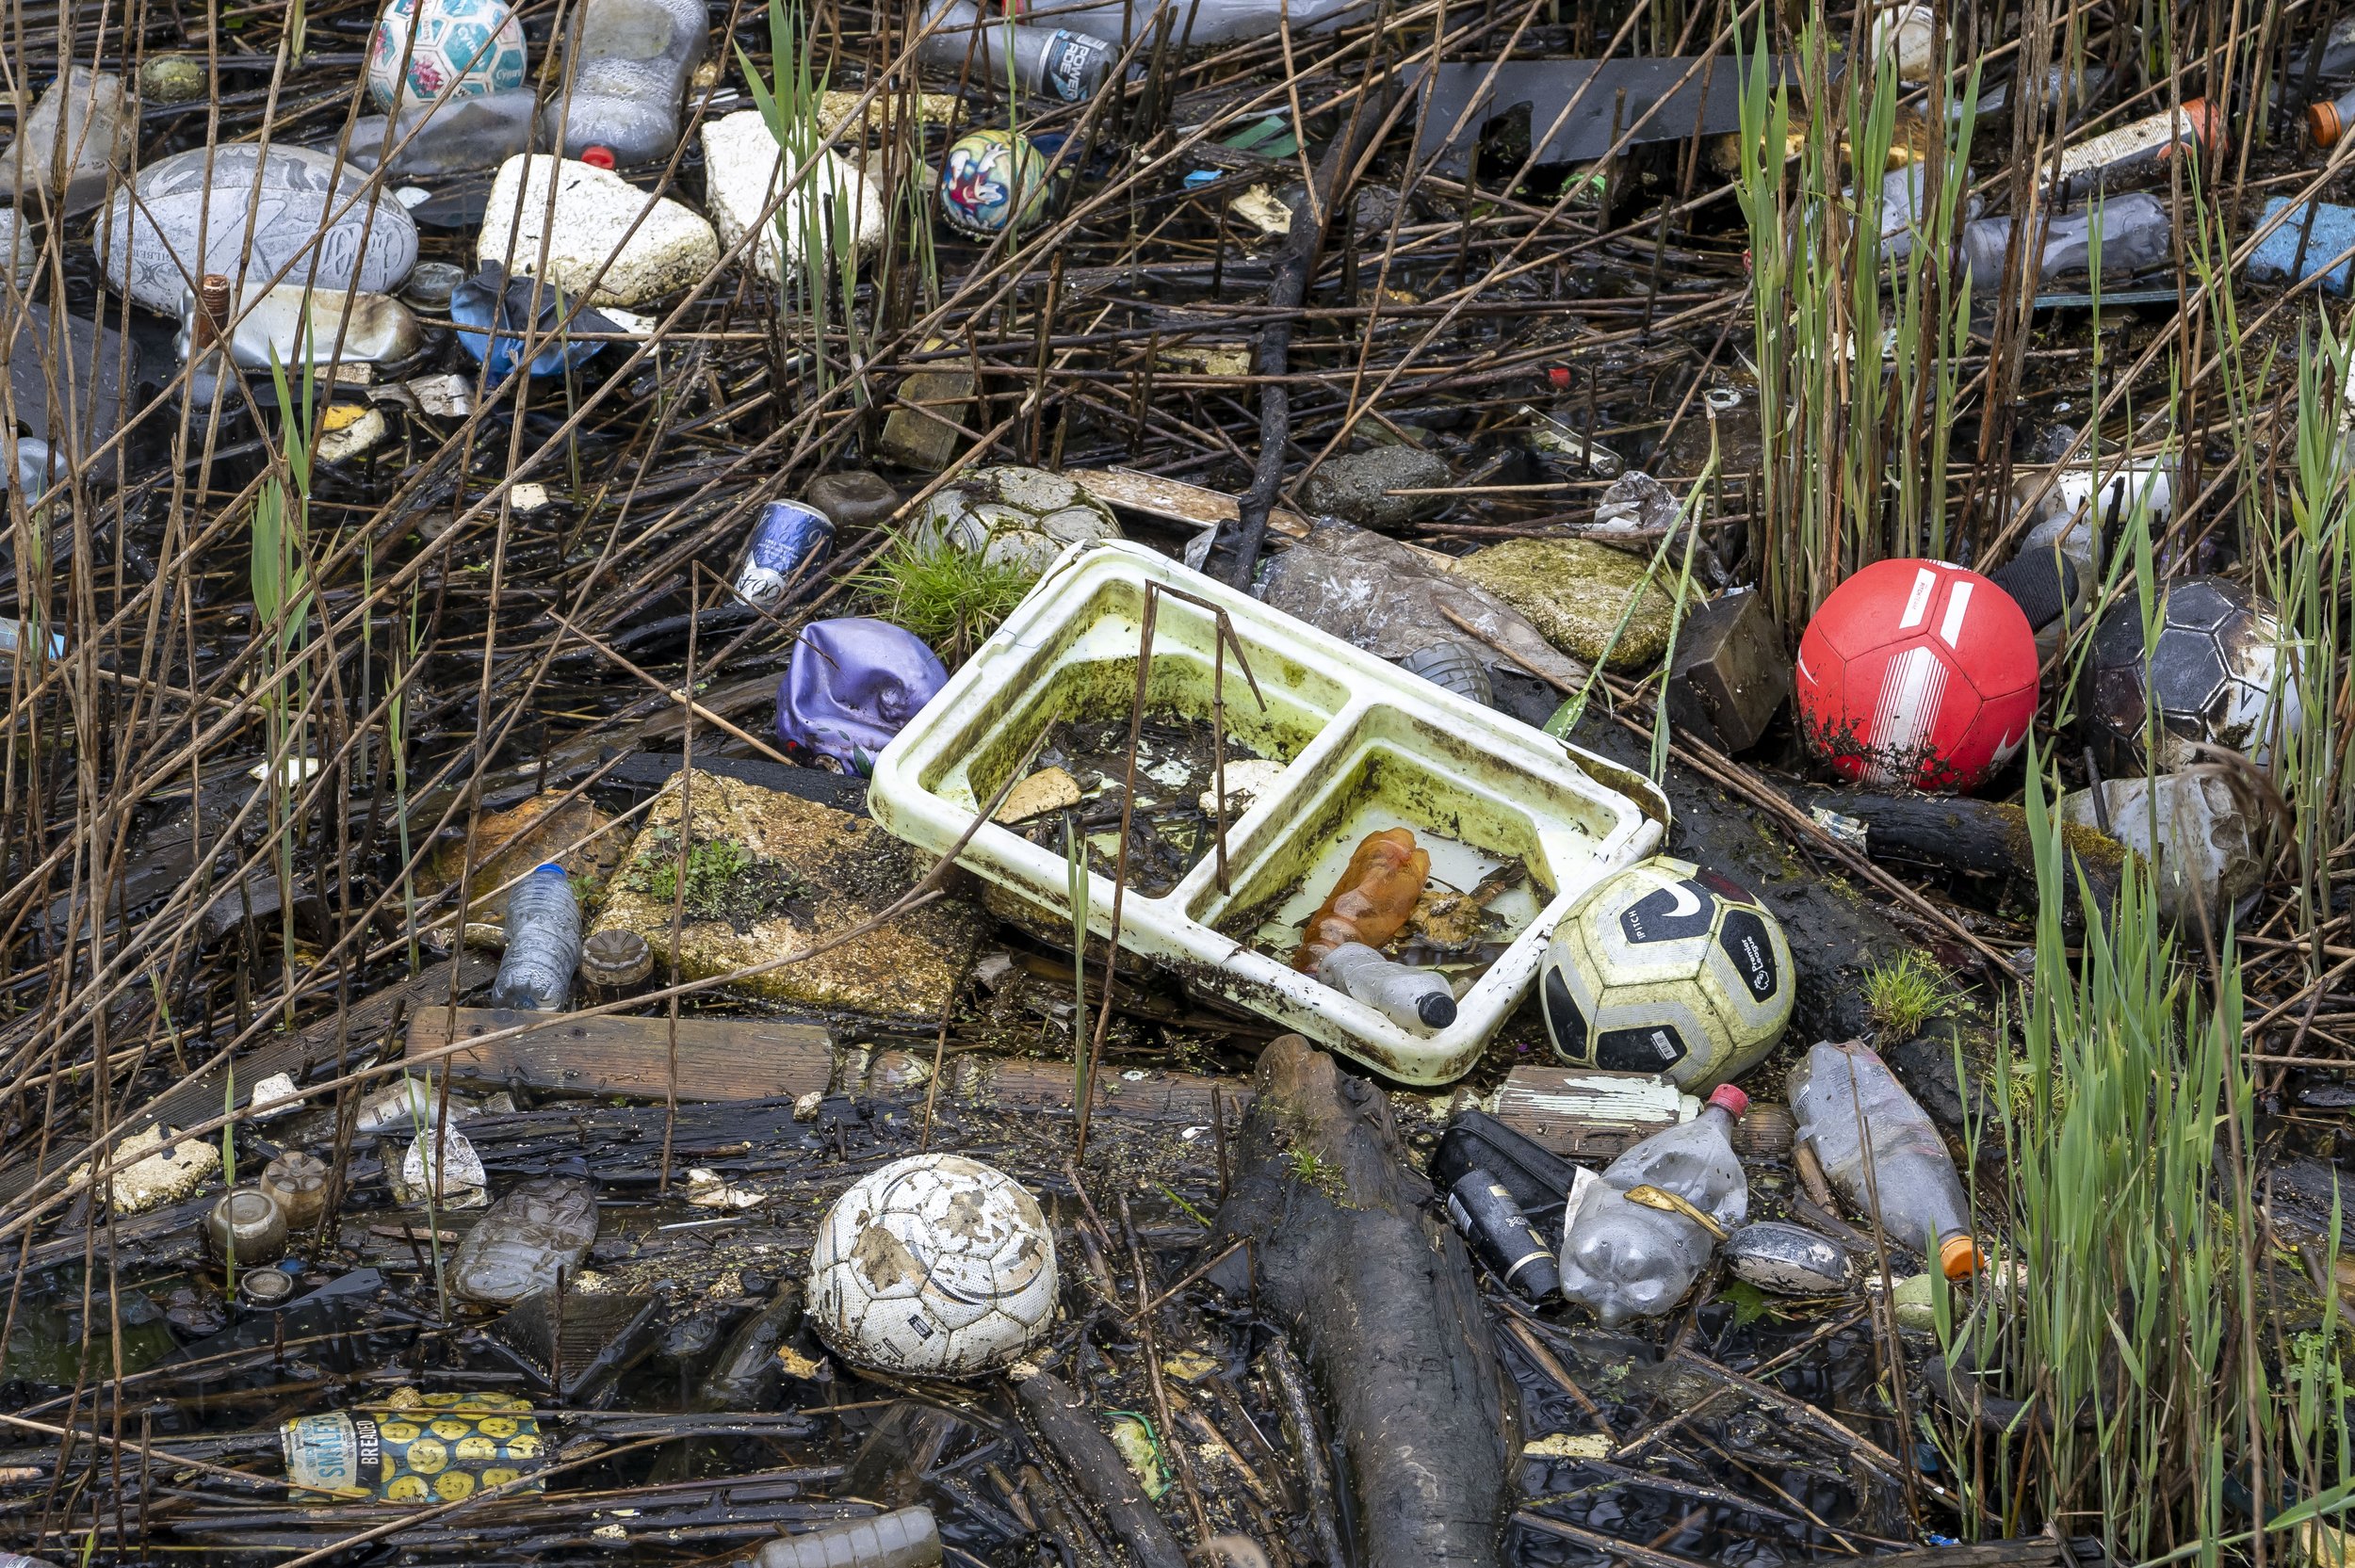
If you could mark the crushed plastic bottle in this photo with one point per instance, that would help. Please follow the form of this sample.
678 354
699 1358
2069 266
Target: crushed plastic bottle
1372 901
2135 234
522 1242
1410 997
1483 1209
851 685
789 539
904 1538
1641 1234
628 62
499 310
459 135
1844 1094
292 326
1047 62
82 118
543 943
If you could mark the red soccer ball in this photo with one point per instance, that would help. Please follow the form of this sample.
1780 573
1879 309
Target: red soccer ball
1919 673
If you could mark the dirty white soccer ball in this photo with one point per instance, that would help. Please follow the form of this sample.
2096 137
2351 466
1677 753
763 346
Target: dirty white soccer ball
935 1264
1664 967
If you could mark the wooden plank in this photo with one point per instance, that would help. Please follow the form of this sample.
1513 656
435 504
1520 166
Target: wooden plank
718 1059
1582 1114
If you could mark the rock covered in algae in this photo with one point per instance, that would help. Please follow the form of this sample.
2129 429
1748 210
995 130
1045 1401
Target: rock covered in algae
1575 591
770 875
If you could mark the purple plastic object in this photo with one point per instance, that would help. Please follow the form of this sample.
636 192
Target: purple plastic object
852 685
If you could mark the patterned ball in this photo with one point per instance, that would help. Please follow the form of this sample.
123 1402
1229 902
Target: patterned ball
992 178
475 43
935 1265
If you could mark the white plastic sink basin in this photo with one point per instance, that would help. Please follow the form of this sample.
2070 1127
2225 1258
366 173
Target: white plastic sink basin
1364 745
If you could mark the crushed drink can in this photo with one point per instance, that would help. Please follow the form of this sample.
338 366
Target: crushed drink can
788 538
421 1448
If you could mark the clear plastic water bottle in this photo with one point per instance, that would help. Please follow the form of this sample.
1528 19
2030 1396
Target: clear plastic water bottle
1632 1246
628 62
1410 997
904 1538
1843 1095
1047 62
459 135
789 539
543 943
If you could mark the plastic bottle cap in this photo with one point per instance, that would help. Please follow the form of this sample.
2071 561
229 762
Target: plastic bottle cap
2322 124
597 157
1958 1257
1560 376
1436 1011
1729 1100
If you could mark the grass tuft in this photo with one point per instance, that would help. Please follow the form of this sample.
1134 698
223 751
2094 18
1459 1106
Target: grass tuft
950 598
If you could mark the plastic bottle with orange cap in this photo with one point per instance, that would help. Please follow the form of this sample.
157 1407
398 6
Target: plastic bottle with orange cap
1855 1114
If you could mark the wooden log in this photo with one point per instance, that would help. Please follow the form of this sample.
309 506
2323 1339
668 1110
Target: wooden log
1095 1466
1380 1296
772 1058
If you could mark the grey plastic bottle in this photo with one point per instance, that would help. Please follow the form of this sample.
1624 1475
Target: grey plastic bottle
1047 62
460 135
628 62
82 118
1851 1107
904 1538
2136 231
543 943
1410 997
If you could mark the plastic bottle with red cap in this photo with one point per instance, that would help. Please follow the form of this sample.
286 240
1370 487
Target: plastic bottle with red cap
1855 1114
1636 1239
628 62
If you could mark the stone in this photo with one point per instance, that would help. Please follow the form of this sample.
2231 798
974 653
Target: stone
1354 486
853 498
771 875
1012 516
1049 789
173 79
148 1175
85 115
591 232
744 169
508 844
923 429
1575 592
157 252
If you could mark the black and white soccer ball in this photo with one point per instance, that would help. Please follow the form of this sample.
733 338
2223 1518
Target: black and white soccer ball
935 1265
1668 968
2220 669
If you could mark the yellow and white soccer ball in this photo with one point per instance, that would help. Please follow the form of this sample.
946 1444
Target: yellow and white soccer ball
936 1265
1664 967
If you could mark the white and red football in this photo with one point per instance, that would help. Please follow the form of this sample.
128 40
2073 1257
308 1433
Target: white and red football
1918 674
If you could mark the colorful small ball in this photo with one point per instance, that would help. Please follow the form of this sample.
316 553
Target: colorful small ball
475 43
992 180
